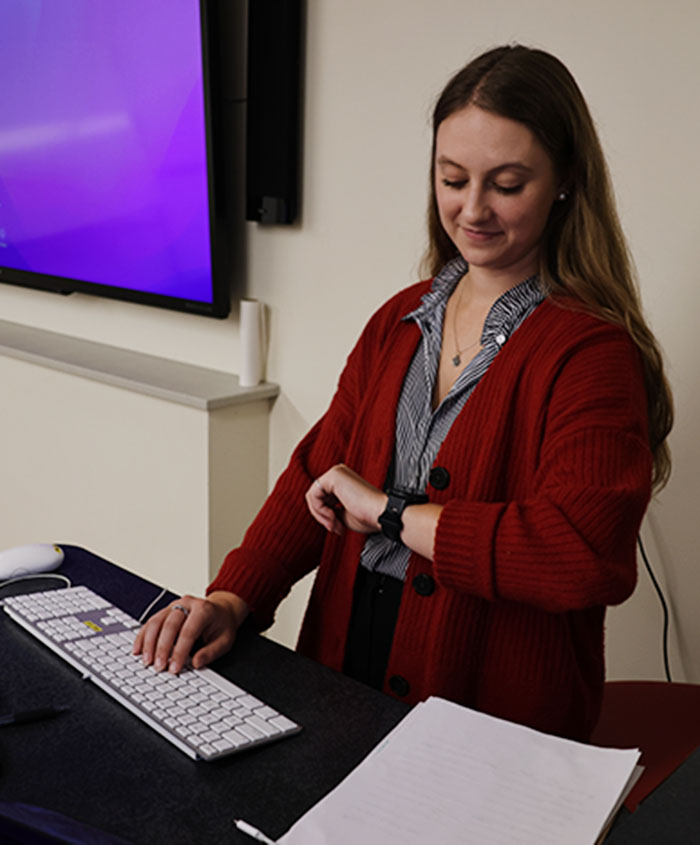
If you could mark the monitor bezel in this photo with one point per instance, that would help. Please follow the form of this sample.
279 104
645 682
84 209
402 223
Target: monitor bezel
220 304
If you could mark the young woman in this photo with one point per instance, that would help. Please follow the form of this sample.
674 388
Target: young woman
473 494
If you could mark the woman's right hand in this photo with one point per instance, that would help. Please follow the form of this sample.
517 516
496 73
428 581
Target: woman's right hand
167 639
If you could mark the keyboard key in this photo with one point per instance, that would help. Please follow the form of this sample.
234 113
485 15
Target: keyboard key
264 727
235 738
266 712
242 712
283 723
249 701
250 731
220 713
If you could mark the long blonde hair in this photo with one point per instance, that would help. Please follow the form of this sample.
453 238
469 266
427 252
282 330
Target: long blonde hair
585 254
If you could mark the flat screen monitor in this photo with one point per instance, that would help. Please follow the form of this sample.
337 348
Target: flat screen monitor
107 175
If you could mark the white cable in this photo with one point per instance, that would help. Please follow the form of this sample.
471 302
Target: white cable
154 602
44 575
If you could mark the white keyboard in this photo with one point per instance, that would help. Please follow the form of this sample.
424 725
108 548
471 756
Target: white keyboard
199 711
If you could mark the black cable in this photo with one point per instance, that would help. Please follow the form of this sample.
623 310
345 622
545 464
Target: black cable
663 605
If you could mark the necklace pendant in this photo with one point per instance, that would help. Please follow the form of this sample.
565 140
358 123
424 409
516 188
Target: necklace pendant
457 360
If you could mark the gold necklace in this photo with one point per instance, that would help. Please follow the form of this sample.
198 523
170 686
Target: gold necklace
457 357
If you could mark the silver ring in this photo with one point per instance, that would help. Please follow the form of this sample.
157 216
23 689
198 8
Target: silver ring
180 607
316 481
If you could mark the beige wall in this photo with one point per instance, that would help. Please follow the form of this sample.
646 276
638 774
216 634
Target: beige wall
373 68
160 487
88 464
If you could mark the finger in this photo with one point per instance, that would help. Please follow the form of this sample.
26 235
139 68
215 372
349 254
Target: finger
147 637
173 622
323 489
136 648
325 507
325 514
148 633
330 520
209 653
316 496
314 502
192 629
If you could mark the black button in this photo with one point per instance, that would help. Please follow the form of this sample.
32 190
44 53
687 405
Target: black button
424 584
439 477
399 685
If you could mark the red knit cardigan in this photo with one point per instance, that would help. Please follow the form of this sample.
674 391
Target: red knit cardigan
549 473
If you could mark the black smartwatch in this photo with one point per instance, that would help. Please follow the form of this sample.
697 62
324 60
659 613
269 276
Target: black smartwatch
399 499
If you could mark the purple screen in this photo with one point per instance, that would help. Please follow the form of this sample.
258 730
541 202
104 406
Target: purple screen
103 165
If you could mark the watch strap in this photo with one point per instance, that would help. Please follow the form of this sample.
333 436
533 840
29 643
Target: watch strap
398 500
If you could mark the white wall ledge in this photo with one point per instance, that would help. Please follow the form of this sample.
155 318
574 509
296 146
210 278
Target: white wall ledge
173 381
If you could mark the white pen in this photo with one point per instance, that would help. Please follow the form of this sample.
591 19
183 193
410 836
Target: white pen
244 827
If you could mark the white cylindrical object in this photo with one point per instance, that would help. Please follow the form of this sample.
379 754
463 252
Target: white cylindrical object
251 334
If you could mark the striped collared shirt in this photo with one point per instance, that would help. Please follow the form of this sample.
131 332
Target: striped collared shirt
420 430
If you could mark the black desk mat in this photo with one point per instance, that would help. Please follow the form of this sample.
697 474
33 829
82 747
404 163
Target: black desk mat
100 765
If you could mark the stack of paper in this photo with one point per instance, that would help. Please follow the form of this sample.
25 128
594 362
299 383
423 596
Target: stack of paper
450 775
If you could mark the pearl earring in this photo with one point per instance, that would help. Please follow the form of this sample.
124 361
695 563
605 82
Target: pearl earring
562 196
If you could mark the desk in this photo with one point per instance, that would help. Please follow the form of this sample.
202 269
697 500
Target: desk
668 816
102 766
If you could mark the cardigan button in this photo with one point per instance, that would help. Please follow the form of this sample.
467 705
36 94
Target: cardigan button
424 584
439 477
399 685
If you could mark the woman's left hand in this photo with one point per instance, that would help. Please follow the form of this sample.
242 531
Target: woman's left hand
340 497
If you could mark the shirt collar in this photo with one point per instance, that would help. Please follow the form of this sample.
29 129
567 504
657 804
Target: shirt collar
443 285
504 316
